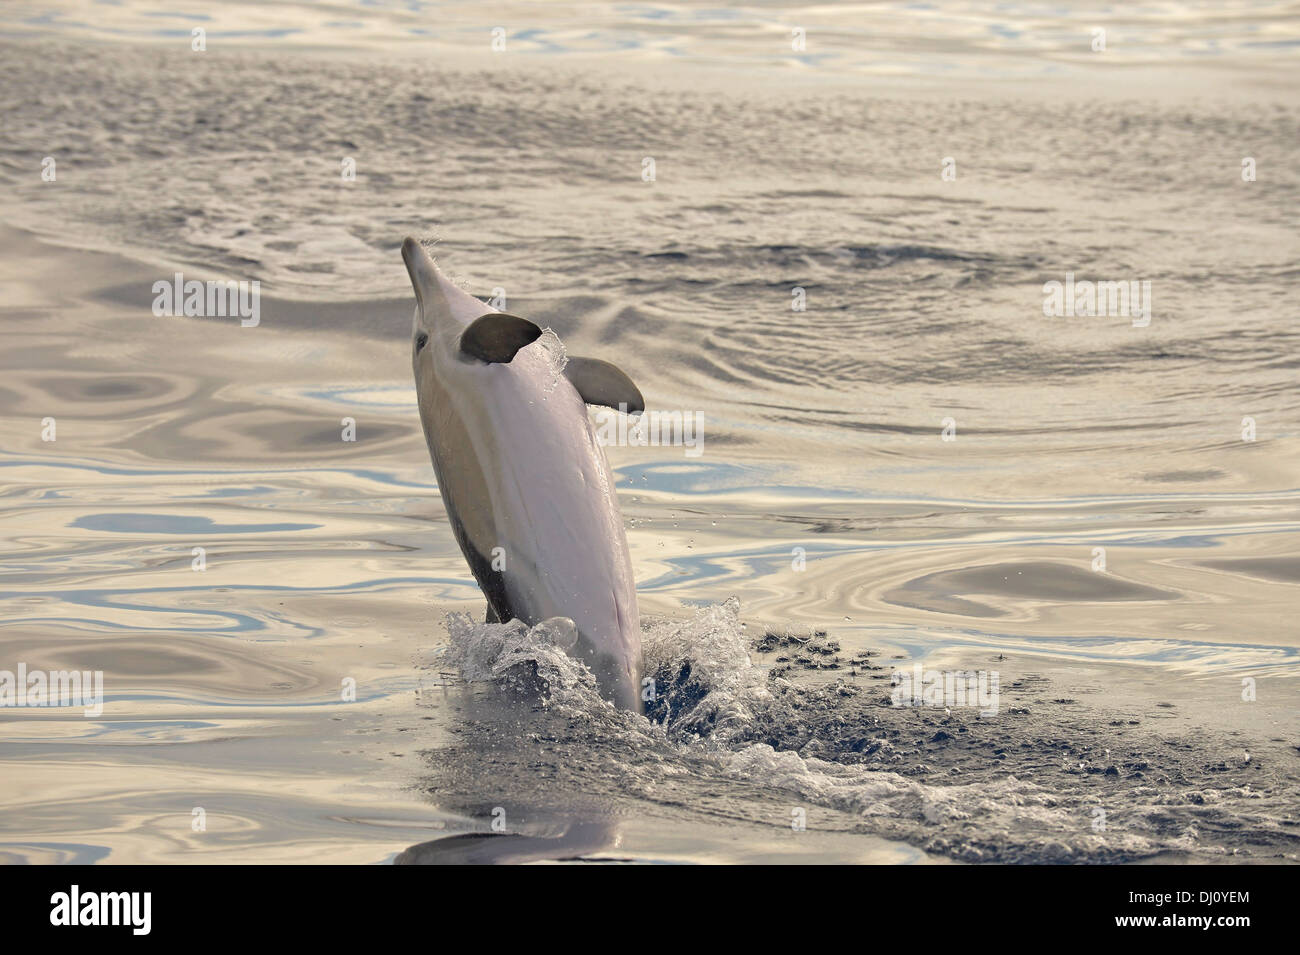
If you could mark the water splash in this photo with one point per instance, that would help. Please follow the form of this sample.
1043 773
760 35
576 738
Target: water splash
932 778
706 684
525 660
556 354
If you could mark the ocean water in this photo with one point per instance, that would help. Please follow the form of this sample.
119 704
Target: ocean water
917 466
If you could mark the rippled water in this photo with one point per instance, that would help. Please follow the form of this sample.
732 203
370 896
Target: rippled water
330 561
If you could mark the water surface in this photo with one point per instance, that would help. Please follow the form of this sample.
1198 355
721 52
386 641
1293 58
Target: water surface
826 497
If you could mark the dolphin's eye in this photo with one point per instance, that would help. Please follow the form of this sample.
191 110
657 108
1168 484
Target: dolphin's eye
420 341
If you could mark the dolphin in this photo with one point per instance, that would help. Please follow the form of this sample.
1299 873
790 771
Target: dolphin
528 492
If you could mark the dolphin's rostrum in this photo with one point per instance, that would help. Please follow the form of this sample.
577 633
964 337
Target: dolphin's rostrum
528 492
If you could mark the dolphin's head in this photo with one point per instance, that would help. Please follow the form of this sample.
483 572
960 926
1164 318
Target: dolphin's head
442 310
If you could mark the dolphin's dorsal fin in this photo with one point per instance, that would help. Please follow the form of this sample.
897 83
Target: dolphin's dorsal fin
600 383
496 337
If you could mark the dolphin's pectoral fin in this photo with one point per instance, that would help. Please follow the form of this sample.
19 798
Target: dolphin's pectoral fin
496 337
600 383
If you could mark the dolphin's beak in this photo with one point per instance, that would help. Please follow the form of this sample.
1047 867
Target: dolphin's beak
424 279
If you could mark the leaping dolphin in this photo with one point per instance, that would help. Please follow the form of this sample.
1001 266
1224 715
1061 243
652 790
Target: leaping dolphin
527 489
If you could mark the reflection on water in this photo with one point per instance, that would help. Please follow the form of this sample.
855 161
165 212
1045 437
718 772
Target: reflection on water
578 840
964 39
259 592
